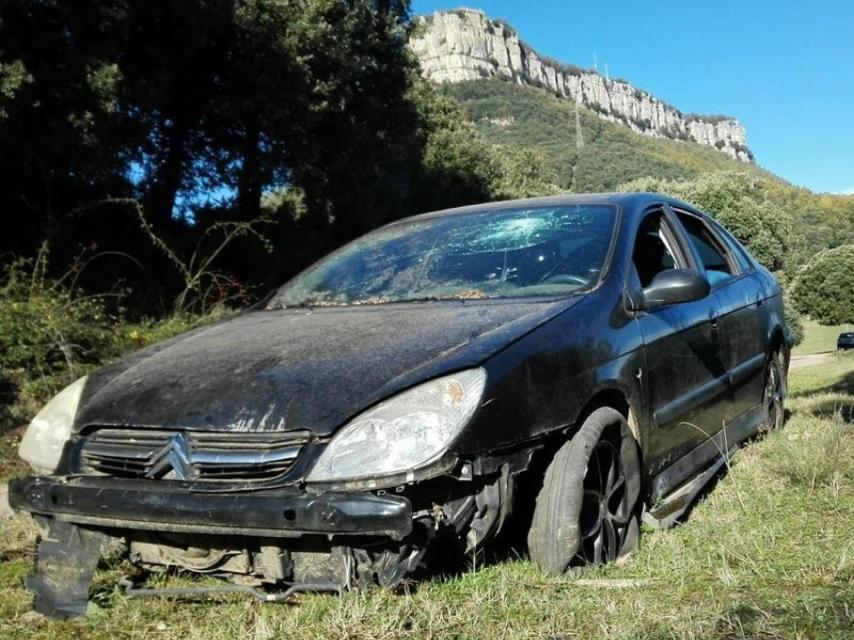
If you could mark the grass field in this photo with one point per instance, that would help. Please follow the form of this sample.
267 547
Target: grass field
768 553
818 339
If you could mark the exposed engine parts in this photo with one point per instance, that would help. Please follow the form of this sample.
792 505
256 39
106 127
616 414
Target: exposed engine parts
460 526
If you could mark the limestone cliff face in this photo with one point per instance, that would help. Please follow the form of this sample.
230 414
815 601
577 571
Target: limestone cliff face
454 46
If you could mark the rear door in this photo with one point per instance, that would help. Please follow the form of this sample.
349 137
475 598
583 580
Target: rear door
685 377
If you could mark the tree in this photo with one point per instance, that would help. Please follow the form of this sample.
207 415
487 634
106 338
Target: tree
740 202
794 322
197 108
172 64
174 103
58 120
524 173
823 288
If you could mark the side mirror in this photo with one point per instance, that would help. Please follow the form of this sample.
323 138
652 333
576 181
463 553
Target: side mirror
672 287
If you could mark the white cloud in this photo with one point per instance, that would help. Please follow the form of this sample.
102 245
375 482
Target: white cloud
846 192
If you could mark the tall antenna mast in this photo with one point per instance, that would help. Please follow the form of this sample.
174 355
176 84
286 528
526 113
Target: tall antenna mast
607 76
595 62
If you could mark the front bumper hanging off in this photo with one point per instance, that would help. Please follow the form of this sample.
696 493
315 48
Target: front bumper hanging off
172 507
78 515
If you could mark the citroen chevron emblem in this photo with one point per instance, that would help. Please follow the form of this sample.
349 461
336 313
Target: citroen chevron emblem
173 460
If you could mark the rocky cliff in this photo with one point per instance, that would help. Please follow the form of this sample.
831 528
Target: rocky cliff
454 46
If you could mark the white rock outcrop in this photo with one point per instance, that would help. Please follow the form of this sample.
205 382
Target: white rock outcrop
460 45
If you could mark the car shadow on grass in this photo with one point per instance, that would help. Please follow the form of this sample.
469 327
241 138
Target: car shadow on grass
829 401
832 407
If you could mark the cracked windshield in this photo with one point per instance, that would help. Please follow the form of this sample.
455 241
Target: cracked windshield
543 251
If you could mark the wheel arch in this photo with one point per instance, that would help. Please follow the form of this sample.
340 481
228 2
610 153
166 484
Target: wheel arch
778 340
615 398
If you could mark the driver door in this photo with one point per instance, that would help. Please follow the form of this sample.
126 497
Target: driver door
686 382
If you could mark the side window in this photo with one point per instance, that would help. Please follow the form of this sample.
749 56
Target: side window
713 255
736 249
652 253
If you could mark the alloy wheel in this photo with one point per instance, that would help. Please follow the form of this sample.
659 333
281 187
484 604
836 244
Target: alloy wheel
773 397
605 512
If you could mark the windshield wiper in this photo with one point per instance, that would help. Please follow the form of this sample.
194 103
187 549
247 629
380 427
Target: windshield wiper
364 303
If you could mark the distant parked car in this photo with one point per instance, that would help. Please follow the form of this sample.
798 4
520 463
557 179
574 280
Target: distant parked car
845 340
563 367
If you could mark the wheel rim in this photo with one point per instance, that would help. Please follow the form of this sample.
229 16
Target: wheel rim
773 397
606 511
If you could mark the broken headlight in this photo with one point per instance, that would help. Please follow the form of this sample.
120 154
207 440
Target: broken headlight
405 432
48 432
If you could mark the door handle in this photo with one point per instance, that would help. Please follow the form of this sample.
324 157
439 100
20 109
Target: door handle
713 318
759 300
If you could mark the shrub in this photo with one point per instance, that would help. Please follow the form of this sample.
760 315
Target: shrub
794 322
51 334
823 288
48 334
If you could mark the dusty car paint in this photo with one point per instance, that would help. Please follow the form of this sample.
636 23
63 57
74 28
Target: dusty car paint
273 370
689 377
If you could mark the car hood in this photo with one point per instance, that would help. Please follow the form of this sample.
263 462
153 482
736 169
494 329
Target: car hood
301 368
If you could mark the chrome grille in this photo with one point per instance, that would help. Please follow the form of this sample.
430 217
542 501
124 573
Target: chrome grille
190 455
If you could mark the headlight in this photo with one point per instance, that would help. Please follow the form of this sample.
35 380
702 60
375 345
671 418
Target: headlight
404 432
50 429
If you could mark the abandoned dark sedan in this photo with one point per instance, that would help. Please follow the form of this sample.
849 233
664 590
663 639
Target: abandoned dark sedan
845 340
564 367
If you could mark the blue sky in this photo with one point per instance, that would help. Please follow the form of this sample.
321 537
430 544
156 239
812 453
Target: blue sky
785 69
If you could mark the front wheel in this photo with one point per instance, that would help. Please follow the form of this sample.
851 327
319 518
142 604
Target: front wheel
587 510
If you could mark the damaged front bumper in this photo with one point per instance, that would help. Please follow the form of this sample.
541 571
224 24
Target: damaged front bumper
302 539
174 507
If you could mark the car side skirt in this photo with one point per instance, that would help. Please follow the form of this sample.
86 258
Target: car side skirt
741 428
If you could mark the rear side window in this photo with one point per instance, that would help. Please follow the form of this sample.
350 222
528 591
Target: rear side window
713 255
735 249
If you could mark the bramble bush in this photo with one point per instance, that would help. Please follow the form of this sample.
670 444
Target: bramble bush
48 335
51 333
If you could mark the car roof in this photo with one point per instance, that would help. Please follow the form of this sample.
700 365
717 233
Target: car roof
630 202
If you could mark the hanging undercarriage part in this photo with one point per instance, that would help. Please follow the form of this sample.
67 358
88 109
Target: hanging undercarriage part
66 557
